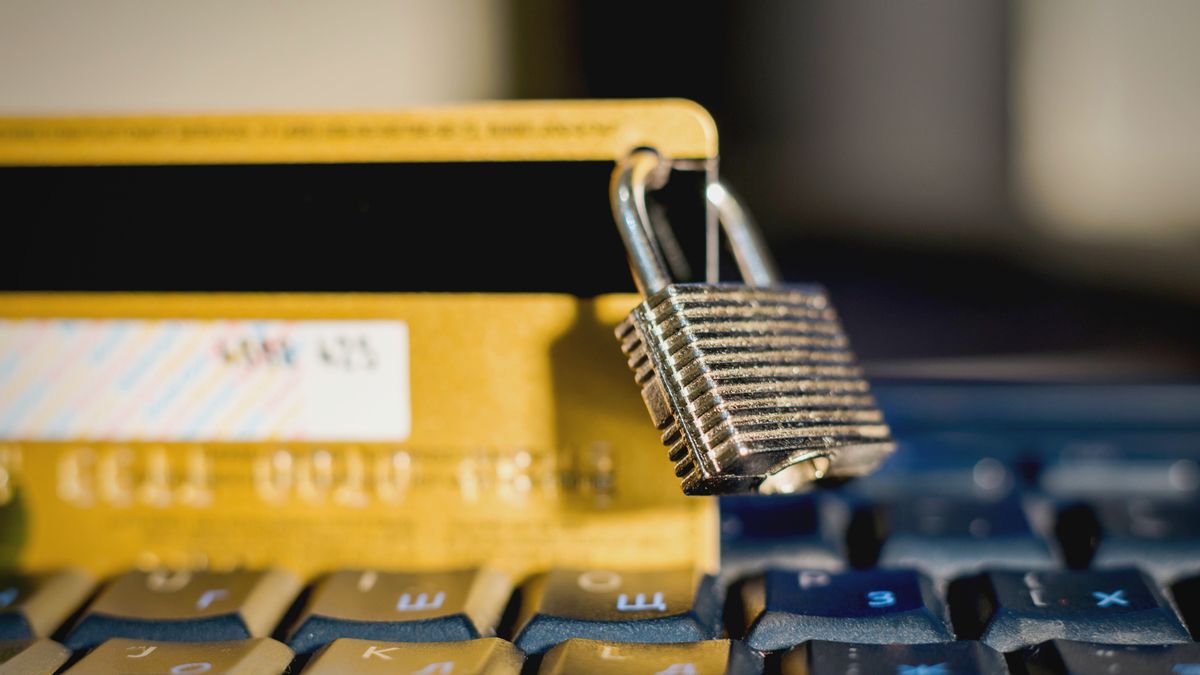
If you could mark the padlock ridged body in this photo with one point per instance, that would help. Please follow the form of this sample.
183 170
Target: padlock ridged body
746 382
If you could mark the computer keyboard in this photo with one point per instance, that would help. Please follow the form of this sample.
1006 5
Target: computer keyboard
966 553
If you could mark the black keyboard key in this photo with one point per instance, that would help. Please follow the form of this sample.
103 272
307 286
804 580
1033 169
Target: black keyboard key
948 537
1010 610
186 607
31 657
820 657
711 657
1078 534
1187 597
401 607
483 656
800 531
650 607
35 606
785 608
1065 657
1159 536
259 656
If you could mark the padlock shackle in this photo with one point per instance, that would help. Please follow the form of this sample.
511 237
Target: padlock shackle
750 252
627 192
644 169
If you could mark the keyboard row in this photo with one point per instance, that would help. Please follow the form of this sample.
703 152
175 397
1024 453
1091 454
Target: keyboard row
1083 464
1006 610
493 656
948 535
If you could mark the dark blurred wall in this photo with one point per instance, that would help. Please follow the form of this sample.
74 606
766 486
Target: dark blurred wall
874 140
964 175
835 115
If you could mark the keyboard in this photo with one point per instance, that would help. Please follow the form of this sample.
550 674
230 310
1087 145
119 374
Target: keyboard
1066 547
165 509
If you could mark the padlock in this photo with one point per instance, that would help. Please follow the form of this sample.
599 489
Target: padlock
752 384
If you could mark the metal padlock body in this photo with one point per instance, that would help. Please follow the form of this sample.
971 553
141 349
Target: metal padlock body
750 383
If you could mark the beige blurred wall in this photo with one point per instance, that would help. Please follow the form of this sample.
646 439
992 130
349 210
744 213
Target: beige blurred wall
1106 116
128 56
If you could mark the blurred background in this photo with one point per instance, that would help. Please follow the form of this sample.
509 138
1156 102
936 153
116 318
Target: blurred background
969 178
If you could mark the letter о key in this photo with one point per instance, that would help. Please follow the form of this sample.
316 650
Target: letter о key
753 386
648 606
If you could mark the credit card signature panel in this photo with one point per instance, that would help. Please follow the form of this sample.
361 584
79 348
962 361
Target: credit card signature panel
421 431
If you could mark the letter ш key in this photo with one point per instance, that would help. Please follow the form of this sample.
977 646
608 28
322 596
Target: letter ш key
401 607
625 606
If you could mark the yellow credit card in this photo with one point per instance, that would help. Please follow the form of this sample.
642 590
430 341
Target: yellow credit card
310 431
493 131
318 431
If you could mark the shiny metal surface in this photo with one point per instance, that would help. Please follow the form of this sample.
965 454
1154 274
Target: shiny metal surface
753 385
627 192
753 258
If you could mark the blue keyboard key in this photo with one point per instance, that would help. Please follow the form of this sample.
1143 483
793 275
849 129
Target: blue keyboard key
948 537
1010 610
784 608
1065 657
799 531
959 465
819 657
1125 465
1160 536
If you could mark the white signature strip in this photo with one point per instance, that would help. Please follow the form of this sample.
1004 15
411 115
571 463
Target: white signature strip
185 380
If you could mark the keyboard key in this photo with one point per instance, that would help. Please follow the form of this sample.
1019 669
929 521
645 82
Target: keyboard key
258 656
785 608
1064 657
483 656
1078 534
711 657
186 607
949 537
799 531
1122 466
960 465
662 606
1010 610
1160 536
31 657
1187 596
820 657
35 606
400 607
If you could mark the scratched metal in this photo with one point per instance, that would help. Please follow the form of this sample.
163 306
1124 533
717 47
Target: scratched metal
754 389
